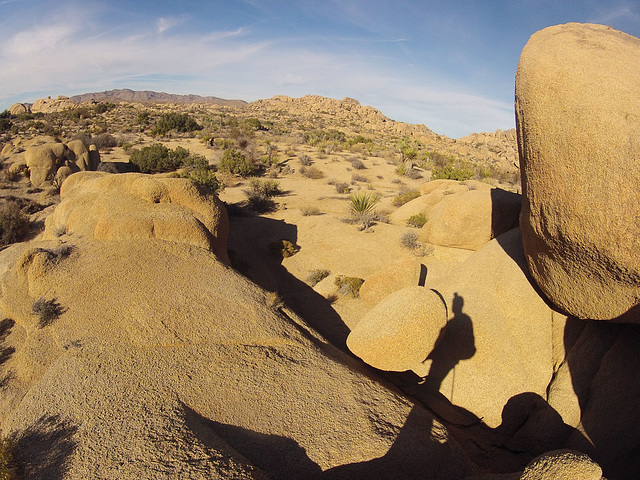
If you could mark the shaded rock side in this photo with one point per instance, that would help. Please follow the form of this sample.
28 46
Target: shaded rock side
577 98
137 206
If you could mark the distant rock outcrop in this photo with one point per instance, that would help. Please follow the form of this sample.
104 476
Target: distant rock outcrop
19 108
577 88
49 105
147 96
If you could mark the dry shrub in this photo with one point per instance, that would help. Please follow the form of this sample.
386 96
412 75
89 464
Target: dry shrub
14 224
310 210
404 197
349 285
312 172
316 276
284 248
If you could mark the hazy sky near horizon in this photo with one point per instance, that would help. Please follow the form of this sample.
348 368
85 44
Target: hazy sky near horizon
447 64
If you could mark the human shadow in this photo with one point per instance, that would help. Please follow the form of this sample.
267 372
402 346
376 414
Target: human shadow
250 237
455 343
418 450
43 449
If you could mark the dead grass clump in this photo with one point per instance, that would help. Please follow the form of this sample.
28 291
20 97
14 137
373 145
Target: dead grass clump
310 211
342 187
410 240
316 276
356 177
312 172
357 164
14 224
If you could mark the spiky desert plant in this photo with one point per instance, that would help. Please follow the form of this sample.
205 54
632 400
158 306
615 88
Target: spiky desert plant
362 203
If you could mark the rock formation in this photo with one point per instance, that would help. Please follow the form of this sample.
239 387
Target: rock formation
48 159
49 105
577 89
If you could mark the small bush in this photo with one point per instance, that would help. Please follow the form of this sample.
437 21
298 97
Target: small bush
418 220
357 164
284 248
349 285
310 210
410 240
342 187
305 160
236 162
316 276
260 193
104 141
14 224
46 310
359 178
405 197
312 172
204 177
413 174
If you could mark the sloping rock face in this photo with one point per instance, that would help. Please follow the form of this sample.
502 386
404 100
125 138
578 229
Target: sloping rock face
143 357
577 98
19 108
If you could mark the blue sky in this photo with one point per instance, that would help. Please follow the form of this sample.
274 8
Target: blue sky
447 64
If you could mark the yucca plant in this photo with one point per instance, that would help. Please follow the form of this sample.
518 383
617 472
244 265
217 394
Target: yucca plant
362 203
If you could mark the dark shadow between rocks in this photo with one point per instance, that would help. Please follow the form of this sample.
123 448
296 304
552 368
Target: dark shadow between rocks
250 237
42 450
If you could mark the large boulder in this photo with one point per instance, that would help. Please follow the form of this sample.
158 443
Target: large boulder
19 108
400 332
469 219
80 158
44 160
129 206
577 98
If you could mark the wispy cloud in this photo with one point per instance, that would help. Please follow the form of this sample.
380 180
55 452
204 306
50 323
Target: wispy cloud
625 13
166 23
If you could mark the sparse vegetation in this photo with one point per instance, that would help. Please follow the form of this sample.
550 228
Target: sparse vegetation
312 172
14 224
405 197
310 210
284 248
418 220
453 172
410 240
305 160
46 310
316 276
349 285
260 193
361 206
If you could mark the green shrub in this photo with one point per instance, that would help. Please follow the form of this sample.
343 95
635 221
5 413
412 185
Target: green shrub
204 177
284 248
316 276
260 193
157 158
418 220
180 122
404 197
349 285
236 162
14 224
451 172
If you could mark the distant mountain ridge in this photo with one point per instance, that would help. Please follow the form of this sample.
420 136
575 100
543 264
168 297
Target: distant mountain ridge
128 95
